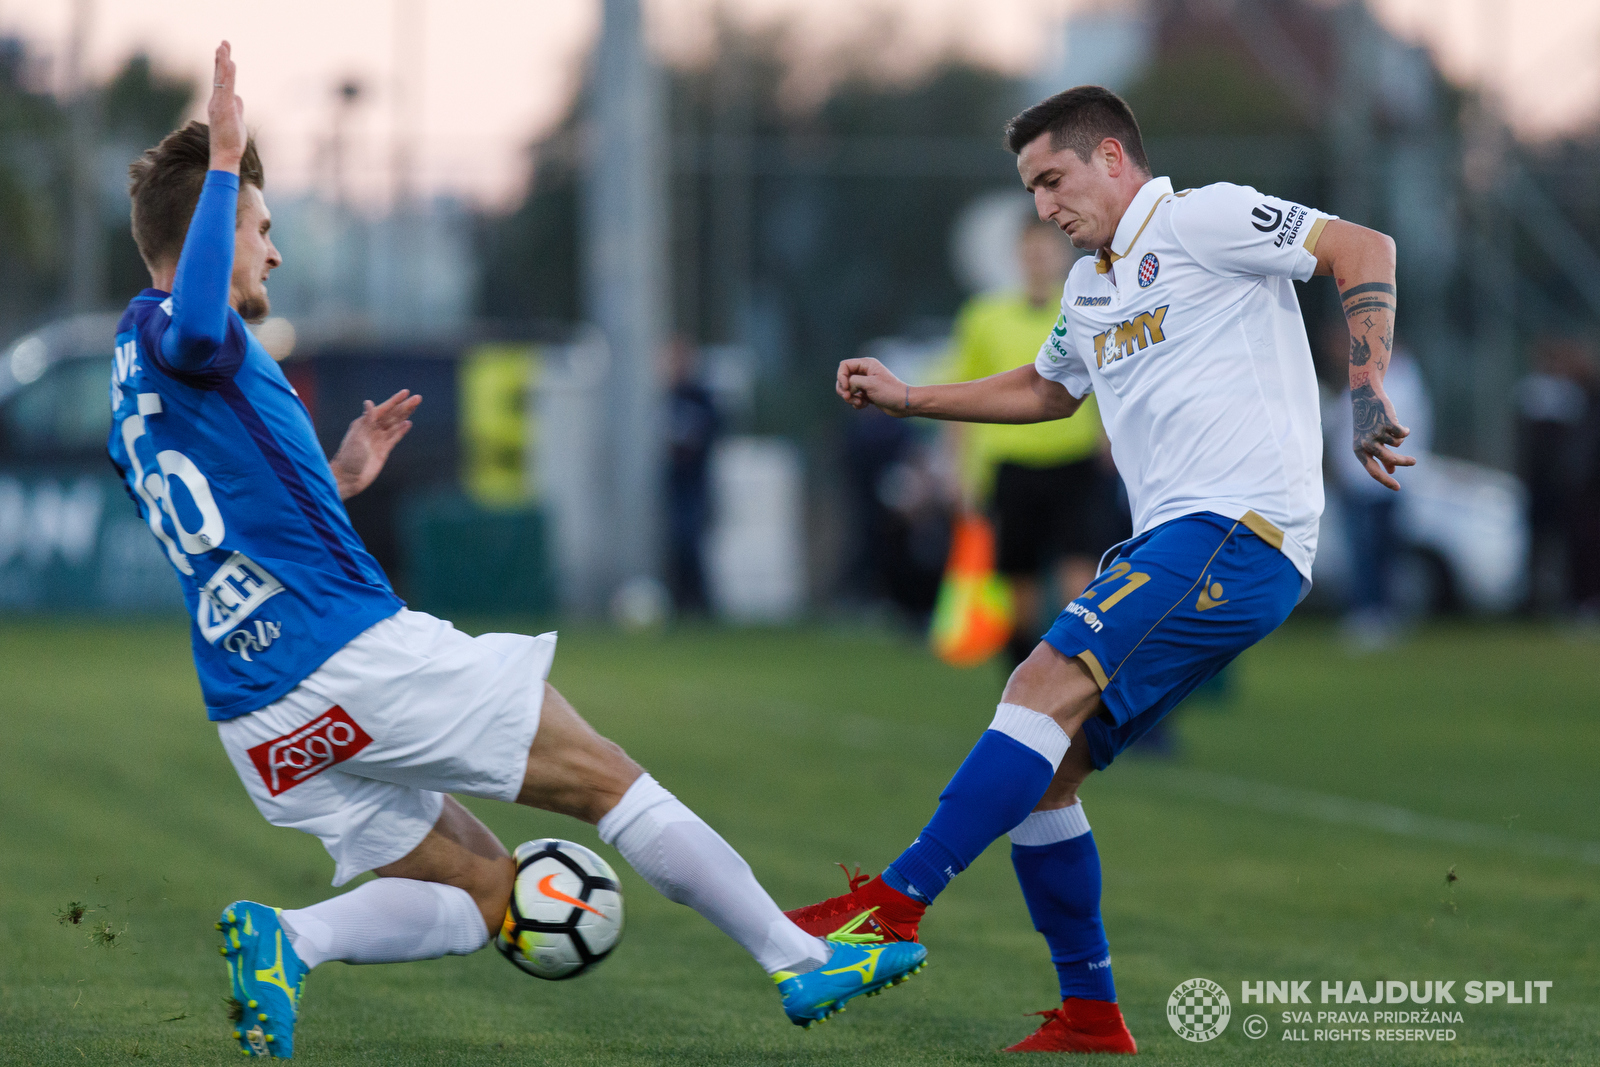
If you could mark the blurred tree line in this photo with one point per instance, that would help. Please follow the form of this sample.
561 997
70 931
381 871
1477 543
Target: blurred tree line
132 111
803 228
797 230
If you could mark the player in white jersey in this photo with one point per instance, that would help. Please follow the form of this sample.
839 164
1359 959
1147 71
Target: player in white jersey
1185 326
346 715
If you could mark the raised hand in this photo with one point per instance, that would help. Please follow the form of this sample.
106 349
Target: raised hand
866 381
369 440
225 114
1376 427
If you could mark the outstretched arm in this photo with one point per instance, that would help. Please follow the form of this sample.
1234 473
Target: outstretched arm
369 440
1361 262
204 276
1021 395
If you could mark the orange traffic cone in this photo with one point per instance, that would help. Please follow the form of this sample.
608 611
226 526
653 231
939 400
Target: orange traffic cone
972 617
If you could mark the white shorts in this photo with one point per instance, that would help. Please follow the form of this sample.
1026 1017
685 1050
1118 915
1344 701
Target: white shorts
363 750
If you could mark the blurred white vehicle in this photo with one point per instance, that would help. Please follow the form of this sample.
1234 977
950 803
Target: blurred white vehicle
1465 529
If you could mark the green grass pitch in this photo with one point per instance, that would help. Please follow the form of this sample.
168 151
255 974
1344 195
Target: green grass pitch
1306 832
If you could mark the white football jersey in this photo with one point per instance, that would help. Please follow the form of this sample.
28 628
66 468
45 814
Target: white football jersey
1189 334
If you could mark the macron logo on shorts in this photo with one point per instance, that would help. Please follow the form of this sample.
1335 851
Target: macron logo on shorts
285 762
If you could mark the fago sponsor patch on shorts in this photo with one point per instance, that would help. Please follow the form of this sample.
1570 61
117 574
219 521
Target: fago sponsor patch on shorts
285 762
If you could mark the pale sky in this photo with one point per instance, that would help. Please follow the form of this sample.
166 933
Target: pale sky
495 74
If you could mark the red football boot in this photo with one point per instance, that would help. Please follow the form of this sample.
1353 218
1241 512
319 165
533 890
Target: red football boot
1080 1026
869 913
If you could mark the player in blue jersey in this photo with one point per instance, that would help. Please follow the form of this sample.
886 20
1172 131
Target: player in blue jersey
346 715
1185 325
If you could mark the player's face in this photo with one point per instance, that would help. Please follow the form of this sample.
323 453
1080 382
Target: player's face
1080 197
254 255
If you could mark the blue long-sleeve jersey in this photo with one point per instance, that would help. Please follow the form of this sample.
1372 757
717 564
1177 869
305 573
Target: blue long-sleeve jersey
220 458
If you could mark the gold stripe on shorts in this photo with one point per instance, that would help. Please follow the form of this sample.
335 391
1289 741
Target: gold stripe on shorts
1262 529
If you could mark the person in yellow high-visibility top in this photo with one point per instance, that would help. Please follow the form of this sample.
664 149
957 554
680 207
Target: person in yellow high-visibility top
1049 485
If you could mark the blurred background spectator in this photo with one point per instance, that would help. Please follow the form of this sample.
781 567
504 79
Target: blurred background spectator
1558 459
692 429
1050 487
1372 616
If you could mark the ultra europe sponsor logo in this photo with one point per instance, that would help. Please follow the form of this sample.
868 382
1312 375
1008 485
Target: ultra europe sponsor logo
1267 218
1198 1010
285 762
1291 226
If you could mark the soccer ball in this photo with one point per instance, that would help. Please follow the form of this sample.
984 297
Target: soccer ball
566 910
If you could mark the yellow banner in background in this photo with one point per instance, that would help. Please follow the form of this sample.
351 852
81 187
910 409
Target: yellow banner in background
497 423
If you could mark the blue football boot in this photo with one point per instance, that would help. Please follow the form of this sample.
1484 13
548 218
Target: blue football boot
851 971
267 978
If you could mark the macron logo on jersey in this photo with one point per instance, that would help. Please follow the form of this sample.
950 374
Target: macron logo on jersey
1126 338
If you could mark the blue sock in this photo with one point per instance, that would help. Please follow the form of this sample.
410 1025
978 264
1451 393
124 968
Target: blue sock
1061 884
1000 781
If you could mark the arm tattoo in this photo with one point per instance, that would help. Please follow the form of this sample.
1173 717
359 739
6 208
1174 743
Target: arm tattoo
1373 427
1368 305
1368 287
1360 352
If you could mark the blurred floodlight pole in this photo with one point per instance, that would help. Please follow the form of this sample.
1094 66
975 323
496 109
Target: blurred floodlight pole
625 233
406 98
84 252
1495 273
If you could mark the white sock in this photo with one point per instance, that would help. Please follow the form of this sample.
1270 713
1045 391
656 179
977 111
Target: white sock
1047 827
674 850
388 920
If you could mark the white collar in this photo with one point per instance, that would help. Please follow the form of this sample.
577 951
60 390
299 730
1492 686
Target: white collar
1134 220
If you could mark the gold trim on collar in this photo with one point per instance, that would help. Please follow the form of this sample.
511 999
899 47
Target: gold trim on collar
1095 670
1262 529
1140 231
1108 256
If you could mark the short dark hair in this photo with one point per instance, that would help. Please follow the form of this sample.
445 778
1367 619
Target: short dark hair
1080 119
164 184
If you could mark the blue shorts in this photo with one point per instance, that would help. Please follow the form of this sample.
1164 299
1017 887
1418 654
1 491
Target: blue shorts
1173 608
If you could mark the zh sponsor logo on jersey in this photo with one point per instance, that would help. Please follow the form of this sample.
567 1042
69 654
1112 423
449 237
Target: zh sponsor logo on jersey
253 639
285 762
1126 338
1092 302
1267 218
239 587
